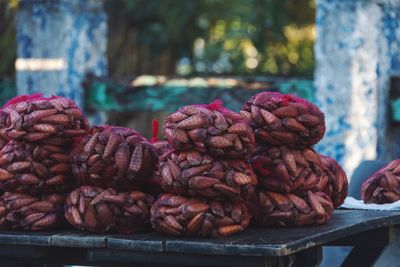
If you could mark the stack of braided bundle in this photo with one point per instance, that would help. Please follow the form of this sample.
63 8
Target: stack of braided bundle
216 170
35 172
53 165
297 186
111 166
205 174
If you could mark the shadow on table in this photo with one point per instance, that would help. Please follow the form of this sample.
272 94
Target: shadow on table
334 256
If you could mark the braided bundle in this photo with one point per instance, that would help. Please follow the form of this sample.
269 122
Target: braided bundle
180 216
97 210
288 170
383 186
210 129
205 160
284 209
54 120
336 186
34 168
162 149
195 174
113 157
297 186
284 120
25 212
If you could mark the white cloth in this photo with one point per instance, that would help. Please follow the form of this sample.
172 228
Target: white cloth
352 203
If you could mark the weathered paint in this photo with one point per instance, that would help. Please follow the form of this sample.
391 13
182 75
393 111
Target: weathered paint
356 52
72 31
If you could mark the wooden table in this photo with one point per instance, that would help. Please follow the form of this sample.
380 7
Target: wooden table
369 232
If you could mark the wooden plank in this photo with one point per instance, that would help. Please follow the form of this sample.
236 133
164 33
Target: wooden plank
286 241
252 242
214 246
26 238
139 242
344 211
78 239
291 240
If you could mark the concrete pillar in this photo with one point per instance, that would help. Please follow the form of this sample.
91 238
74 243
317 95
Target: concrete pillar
356 52
58 43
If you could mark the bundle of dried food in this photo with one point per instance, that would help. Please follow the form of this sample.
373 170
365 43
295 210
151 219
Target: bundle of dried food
211 129
162 149
196 174
336 186
113 157
34 168
97 210
287 120
3 139
288 170
269 208
25 212
135 215
180 216
383 186
55 120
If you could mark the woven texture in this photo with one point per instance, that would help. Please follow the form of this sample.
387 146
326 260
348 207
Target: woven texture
114 157
279 119
383 186
24 212
211 128
180 216
97 210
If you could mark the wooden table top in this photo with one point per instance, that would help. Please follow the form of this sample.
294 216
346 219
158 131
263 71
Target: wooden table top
251 242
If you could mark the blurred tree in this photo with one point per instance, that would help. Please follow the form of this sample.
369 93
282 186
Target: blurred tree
7 37
199 36
211 36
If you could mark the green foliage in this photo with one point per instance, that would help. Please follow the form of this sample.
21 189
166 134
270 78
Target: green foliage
238 37
217 36
8 46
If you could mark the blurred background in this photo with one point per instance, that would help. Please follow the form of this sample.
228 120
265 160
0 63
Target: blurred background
170 46
126 62
207 37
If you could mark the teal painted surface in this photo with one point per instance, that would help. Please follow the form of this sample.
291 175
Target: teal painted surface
301 88
71 31
7 90
110 96
396 110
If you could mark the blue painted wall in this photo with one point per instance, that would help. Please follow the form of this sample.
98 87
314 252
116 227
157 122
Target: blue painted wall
356 53
74 31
